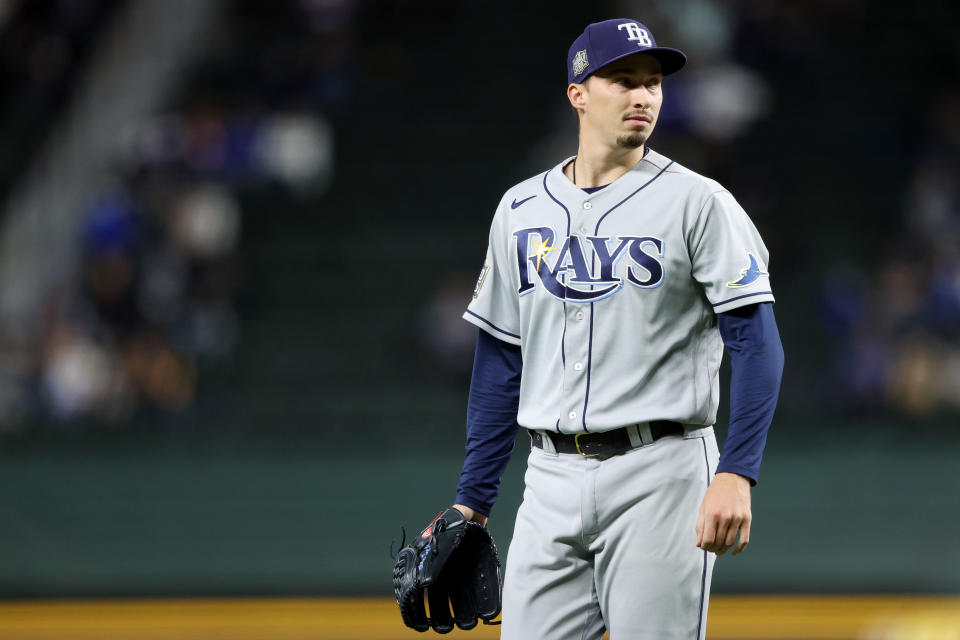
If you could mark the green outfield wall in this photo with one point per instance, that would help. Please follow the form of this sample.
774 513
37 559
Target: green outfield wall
164 513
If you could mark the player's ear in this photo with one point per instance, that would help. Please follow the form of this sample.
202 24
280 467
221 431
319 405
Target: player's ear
575 94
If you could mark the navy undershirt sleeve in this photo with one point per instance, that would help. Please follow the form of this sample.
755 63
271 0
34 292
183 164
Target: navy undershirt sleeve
491 421
751 338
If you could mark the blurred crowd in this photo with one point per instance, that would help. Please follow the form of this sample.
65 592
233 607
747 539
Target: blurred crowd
153 299
896 327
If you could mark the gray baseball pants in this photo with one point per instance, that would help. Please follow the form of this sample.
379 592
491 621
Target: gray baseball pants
611 544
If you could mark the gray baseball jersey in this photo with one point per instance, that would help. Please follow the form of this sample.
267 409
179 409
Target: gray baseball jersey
612 295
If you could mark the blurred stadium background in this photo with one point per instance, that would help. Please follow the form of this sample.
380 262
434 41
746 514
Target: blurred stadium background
236 237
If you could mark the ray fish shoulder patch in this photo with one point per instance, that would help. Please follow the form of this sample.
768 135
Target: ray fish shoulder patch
750 274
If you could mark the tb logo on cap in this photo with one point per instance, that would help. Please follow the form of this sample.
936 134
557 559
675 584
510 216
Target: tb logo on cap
636 33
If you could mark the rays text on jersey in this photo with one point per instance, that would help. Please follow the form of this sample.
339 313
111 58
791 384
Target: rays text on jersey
585 270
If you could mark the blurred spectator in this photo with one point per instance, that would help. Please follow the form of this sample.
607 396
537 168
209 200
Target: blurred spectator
81 377
444 336
297 150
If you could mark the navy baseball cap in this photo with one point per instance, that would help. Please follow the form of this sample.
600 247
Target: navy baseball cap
603 42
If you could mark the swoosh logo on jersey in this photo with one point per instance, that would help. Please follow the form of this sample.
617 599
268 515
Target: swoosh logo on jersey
749 275
515 204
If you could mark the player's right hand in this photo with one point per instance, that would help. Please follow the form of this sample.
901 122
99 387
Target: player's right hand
724 513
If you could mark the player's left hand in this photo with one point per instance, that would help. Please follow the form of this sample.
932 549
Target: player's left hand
724 512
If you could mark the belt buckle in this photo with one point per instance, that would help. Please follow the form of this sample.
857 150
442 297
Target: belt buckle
576 442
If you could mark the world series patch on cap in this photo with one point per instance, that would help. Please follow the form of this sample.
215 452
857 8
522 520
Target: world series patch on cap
604 42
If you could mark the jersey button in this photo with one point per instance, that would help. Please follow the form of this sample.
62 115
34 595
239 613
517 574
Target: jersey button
578 366
572 415
584 229
588 205
579 315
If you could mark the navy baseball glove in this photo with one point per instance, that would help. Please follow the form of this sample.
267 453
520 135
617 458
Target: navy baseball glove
453 563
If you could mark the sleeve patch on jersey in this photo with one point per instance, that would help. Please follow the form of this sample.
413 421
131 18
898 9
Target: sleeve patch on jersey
749 275
483 276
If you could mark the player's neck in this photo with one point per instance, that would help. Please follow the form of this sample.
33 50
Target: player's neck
598 165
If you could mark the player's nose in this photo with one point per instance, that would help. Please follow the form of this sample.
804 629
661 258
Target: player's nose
641 96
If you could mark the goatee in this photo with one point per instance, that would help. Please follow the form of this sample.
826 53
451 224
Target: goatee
632 141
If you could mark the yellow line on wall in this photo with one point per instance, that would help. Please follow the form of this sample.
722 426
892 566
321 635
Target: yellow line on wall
731 618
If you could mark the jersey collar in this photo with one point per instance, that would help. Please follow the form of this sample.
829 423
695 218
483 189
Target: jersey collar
563 188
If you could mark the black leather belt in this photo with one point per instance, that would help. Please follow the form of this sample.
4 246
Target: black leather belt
606 443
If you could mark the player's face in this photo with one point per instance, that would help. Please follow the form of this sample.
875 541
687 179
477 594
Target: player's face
622 100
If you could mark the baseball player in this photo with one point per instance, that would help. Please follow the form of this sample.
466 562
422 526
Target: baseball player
611 285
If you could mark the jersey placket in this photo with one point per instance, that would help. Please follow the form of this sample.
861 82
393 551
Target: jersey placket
579 320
